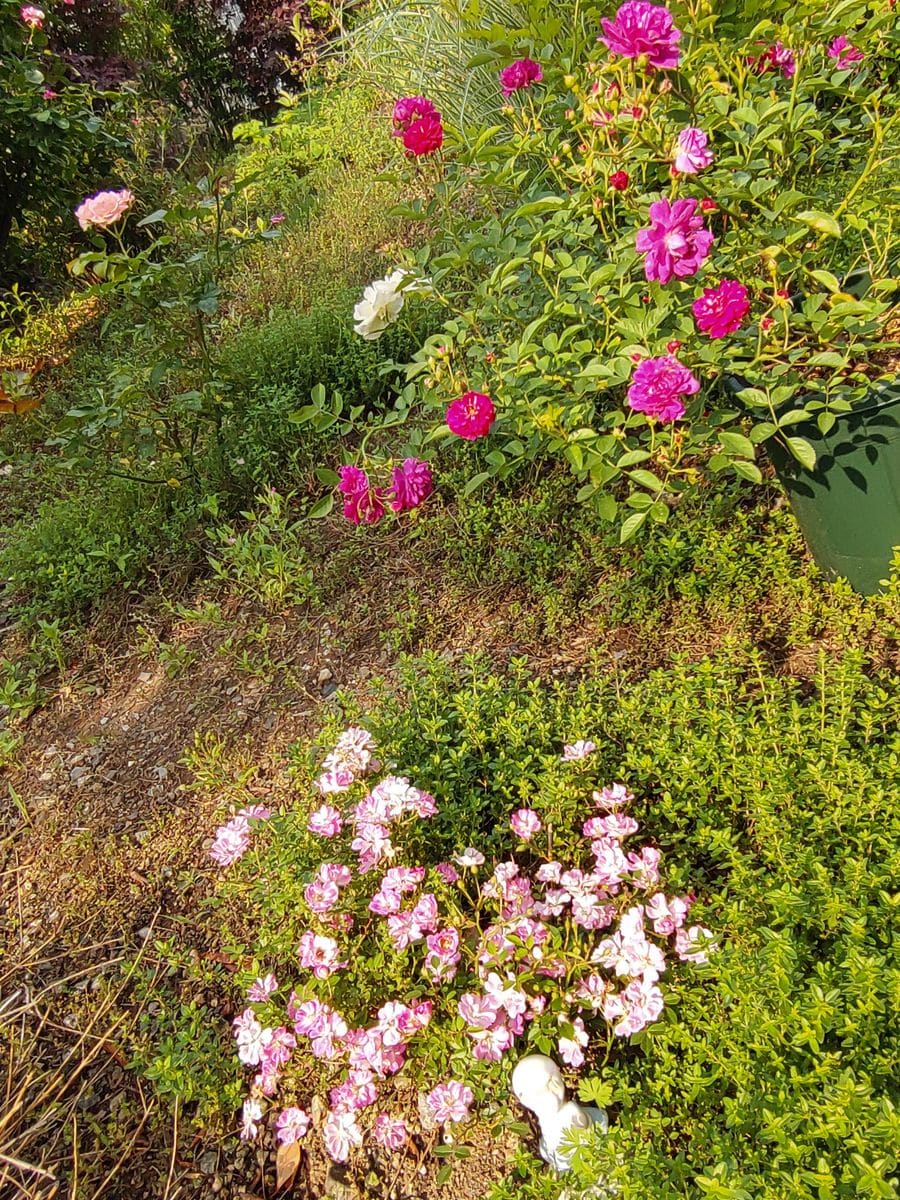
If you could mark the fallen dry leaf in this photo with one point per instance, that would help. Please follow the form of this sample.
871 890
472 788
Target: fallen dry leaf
287 1162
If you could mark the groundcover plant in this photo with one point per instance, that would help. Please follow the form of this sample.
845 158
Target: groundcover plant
728 999
564 935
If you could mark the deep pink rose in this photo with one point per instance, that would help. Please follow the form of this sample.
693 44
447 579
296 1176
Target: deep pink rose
657 386
103 209
520 74
619 180
677 241
413 483
642 29
424 136
691 154
776 58
363 504
721 309
409 109
471 416
843 53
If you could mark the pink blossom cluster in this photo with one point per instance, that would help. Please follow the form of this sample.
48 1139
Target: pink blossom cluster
233 839
364 504
390 800
350 759
418 124
264 1047
506 947
369 1055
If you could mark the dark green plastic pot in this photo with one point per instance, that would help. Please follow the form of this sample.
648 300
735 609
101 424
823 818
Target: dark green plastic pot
849 506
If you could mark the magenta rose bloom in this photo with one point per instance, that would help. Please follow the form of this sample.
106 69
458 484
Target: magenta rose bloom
677 242
409 109
691 153
363 505
843 53
520 74
643 29
657 386
777 58
721 309
471 416
424 136
413 483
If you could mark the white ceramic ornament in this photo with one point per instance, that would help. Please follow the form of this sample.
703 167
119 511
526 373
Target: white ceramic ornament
537 1083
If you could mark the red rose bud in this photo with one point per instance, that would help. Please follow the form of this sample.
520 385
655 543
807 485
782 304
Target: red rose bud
636 358
619 180
673 346
766 323
708 205
637 112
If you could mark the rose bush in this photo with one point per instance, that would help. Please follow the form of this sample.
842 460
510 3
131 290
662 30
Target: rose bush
666 210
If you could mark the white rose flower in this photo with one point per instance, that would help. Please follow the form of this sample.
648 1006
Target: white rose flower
383 300
380 306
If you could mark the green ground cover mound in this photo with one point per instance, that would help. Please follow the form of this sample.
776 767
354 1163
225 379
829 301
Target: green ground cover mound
770 1071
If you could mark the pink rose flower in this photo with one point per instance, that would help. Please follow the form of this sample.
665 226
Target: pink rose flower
525 823
291 1125
33 16
363 504
103 209
520 74
613 796
676 243
657 386
776 58
341 1133
641 29
447 872
695 944
231 842
409 109
578 750
843 53
721 309
319 954
449 1102
471 416
571 1049
262 988
424 136
390 1132
413 483
326 821
49 94
691 153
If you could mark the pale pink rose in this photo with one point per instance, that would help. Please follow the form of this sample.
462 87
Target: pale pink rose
103 209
